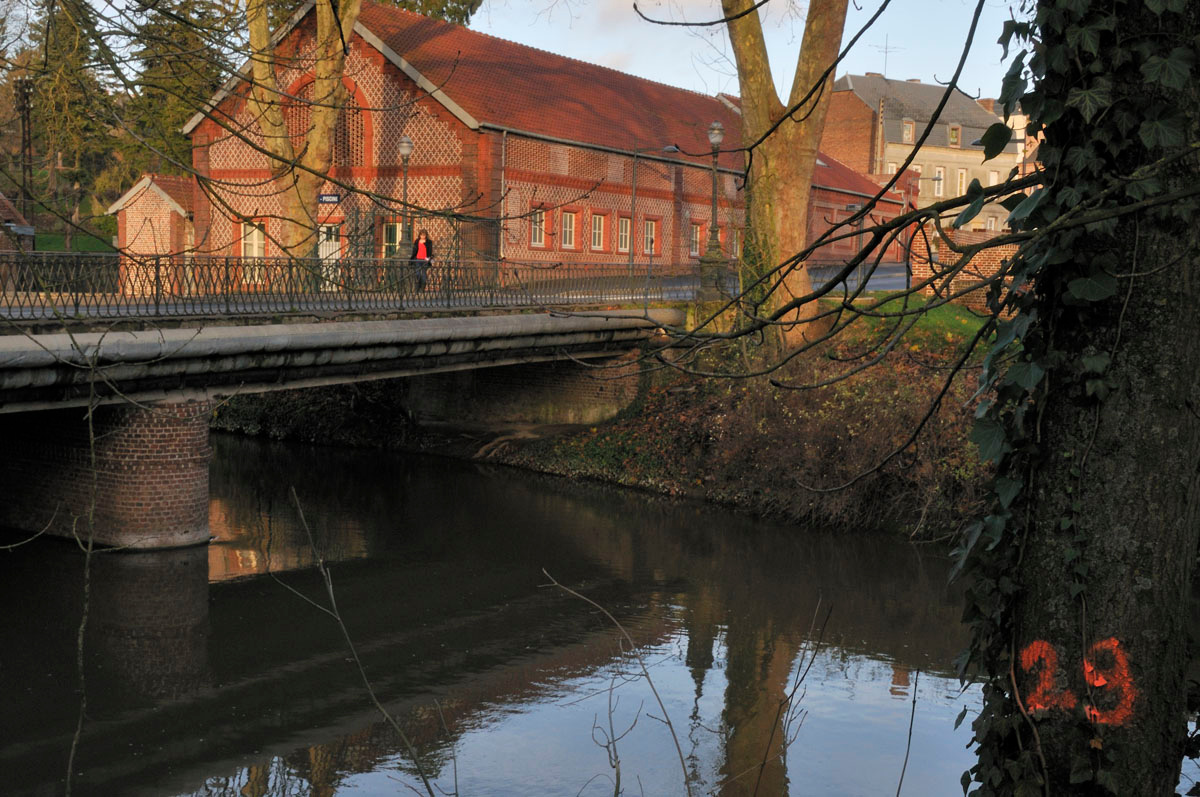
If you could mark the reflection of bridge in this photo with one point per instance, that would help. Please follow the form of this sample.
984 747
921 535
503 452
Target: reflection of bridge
151 445
215 677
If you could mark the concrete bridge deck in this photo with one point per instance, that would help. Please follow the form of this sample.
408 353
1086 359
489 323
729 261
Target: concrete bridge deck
65 370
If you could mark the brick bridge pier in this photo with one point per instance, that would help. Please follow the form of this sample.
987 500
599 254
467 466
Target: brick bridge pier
147 473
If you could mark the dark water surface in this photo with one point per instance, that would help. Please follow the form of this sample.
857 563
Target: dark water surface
220 671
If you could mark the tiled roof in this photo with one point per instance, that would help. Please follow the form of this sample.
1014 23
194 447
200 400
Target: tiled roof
178 188
9 213
510 85
832 173
907 99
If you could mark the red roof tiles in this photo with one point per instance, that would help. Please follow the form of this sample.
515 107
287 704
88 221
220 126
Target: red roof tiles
9 213
504 84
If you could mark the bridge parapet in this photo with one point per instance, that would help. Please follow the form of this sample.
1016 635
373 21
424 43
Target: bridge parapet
45 287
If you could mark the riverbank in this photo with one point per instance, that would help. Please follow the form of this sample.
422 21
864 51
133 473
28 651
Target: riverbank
775 451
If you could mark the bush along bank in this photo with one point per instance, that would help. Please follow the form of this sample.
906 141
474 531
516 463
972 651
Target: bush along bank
781 453
741 442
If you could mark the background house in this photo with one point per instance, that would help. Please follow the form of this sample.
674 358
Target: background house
16 234
874 123
516 153
157 217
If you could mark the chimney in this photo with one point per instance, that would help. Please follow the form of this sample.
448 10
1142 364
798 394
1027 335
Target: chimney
988 103
874 74
914 80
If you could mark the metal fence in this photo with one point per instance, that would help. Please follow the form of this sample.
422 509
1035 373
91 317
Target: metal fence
47 286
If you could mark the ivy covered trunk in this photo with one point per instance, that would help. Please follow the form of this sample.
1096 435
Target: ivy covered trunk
1081 575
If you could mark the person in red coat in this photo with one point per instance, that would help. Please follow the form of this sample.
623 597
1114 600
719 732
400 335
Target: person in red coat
422 256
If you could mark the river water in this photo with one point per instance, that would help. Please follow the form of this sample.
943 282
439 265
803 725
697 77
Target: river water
225 670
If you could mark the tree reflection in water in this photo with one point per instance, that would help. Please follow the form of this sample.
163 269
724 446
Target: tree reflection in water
437 567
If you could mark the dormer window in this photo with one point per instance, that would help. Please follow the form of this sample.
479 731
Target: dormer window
955 136
910 130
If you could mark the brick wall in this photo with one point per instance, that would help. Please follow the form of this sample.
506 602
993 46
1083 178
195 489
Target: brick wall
966 285
555 392
850 131
456 170
151 473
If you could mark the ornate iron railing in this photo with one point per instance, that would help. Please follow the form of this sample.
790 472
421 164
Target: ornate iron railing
46 286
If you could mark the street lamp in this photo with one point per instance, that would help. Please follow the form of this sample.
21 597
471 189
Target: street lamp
712 262
405 146
633 193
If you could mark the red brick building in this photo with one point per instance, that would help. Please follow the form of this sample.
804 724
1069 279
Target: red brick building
517 153
15 232
163 221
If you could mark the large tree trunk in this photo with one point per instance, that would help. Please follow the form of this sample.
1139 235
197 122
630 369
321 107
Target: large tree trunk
299 175
781 167
1085 606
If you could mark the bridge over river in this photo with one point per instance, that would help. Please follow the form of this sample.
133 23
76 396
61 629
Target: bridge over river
149 346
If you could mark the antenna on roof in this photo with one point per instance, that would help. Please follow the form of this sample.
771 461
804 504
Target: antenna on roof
885 49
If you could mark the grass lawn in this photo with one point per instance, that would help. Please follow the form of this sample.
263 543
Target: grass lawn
55 242
939 329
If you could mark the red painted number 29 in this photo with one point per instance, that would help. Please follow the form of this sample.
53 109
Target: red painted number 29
1040 659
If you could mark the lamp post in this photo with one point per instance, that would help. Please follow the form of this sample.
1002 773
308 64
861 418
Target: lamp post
405 146
712 262
633 193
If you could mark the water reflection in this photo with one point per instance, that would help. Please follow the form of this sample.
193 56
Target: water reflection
209 673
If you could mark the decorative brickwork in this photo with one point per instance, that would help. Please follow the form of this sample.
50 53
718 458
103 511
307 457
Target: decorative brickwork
150 473
968 286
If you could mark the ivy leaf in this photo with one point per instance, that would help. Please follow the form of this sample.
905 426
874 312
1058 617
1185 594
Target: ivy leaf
1026 374
1174 71
1163 132
1027 206
961 716
989 435
995 139
1095 363
1095 287
1097 387
1157 6
1011 202
1088 38
971 210
1007 489
1081 769
1092 100
1013 86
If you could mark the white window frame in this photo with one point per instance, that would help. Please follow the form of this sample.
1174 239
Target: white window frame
961 185
991 222
597 232
624 233
735 243
567 228
891 167
393 234
694 240
649 236
254 246
939 183
954 135
993 177
537 228
908 130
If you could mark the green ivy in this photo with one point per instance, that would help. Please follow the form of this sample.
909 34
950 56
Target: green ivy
1099 94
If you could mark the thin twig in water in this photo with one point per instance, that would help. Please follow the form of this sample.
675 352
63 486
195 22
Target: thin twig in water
911 718
687 784
333 611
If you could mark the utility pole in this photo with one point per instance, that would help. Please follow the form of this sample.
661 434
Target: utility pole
24 89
